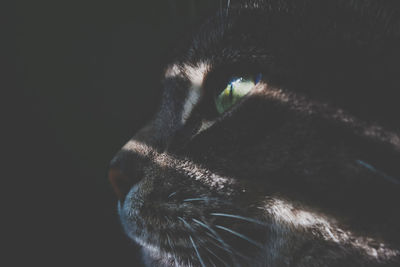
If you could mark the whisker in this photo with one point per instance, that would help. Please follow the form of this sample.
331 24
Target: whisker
202 199
175 261
241 236
212 253
212 231
194 245
186 224
215 238
172 194
197 252
232 252
204 225
239 217
218 238
373 169
170 242
225 247
196 199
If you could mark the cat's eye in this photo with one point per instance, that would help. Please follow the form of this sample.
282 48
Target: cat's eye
237 88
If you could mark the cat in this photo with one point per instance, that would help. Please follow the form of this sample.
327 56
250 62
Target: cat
276 143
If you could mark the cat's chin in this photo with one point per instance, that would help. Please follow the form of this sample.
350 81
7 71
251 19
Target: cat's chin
153 257
150 255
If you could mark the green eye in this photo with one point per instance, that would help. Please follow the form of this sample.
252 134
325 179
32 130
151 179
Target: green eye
236 89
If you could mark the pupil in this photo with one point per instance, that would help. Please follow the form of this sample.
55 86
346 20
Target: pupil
231 91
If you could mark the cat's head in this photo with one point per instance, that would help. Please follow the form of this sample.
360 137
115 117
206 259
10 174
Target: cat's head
189 170
253 115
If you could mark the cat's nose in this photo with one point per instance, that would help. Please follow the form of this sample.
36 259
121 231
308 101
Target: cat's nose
126 168
124 172
120 182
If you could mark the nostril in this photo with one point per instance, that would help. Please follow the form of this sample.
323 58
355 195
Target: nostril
120 182
125 170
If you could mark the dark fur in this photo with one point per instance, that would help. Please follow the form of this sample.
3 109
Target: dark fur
309 160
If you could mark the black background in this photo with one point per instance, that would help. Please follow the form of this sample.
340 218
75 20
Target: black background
87 79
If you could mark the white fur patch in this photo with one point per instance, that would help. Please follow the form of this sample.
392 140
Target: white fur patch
196 74
191 100
172 71
205 125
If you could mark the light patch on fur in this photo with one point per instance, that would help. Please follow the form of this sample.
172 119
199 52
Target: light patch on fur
172 71
191 100
282 213
138 147
188 168
195 74
205 125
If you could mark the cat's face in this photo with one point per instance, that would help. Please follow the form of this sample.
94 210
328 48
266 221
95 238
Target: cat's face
192 163
238 142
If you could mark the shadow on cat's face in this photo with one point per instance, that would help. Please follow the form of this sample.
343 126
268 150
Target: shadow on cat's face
267 181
